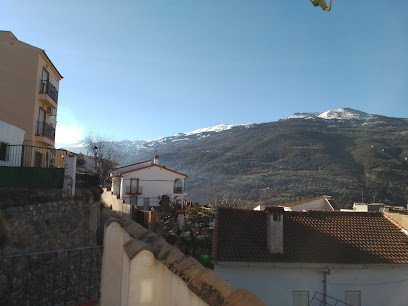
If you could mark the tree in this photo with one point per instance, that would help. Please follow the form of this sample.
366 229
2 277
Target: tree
106 154
199 215
226 199
80 160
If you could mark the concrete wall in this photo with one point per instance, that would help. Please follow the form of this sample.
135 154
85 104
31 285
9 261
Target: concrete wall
70 174
320 204
140 268
11 134
112 201
400 218
378 285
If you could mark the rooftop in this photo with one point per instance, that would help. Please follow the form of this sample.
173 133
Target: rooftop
313 237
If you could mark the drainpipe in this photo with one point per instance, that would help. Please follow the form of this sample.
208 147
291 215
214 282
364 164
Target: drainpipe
325 273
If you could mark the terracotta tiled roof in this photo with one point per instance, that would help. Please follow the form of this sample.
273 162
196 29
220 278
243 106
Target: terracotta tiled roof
310 237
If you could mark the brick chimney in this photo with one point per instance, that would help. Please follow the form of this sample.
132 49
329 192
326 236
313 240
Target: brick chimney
275 229
156 159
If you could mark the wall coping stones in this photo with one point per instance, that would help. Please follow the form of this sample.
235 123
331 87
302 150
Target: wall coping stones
205 283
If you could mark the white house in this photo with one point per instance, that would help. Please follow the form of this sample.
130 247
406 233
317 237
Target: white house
369 207
10 136
318 203
143 184
303 258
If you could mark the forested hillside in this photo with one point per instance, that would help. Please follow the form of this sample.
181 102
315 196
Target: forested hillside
293 159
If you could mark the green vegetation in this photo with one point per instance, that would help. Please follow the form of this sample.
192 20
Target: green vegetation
295 159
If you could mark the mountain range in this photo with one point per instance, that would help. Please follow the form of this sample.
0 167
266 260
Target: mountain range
348 154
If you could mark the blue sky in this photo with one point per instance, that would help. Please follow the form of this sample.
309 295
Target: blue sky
144 69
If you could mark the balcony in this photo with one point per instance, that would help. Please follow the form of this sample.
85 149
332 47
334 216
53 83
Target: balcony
178 190
48 89
133 190
45 130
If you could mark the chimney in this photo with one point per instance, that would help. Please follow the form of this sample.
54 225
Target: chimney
275 229
156 159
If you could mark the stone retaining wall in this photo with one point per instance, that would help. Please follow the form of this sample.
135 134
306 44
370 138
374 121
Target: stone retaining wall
53 225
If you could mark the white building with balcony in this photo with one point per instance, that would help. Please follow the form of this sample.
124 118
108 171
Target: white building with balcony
144 184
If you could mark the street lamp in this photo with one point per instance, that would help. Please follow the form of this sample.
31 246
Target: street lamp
322 4
95 152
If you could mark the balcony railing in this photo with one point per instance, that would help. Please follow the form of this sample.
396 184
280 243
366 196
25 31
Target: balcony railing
134 190
178 190
47 88
46 130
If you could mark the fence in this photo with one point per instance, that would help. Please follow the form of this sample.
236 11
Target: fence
320 299
31 156
86 180
24 166
51 278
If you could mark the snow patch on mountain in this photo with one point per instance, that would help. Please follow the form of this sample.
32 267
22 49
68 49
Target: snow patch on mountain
217 128
336 114
303 115
345 114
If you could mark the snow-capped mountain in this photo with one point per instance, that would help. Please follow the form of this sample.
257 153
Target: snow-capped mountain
336 114
148 145
303 115
347 115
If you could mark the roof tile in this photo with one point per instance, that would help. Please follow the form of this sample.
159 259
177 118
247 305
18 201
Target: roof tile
310 237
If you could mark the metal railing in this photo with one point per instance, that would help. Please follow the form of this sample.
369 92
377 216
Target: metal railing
46 130
32 156
178 190
51 278
47 88
320 299
134 190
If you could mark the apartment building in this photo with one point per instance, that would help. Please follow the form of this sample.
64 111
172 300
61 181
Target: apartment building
29 84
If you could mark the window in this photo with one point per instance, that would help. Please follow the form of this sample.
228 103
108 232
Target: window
353 298
54 83
44 81
300 298
4 148
134 185
178 186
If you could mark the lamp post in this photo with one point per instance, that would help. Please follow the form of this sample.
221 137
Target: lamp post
95 152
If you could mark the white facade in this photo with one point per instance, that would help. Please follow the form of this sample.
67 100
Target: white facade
368 207
144 184
10 135
281 284
321 203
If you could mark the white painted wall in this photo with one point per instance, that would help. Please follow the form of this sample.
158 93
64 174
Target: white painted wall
143 280
11 135
70 173
378 285
320 204
154 182
112 201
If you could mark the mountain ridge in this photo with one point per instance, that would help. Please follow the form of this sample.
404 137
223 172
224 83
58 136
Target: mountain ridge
344 154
